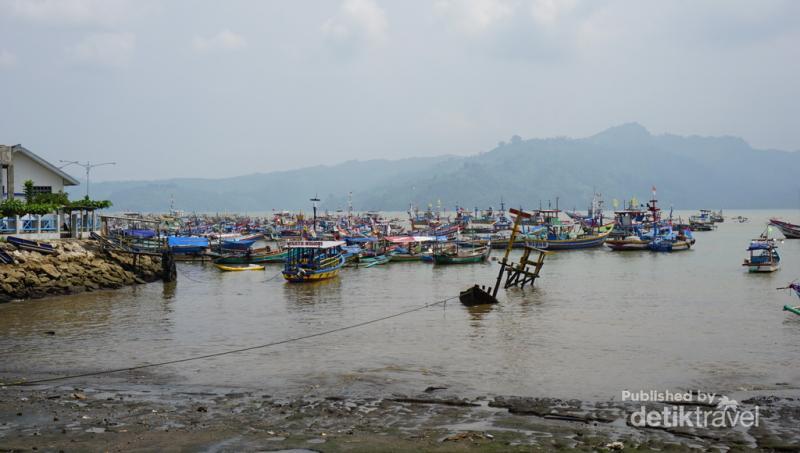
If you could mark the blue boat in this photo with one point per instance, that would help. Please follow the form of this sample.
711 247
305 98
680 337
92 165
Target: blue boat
32 246
665 239
237 244
187 245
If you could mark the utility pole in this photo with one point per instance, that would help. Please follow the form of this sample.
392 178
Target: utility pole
88 166
314 201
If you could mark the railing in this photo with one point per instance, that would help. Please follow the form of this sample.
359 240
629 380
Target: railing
29 224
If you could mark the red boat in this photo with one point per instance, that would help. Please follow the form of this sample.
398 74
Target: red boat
790 230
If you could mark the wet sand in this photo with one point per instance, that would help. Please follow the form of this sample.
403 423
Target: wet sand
116 416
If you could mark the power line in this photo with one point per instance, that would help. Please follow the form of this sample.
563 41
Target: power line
233 351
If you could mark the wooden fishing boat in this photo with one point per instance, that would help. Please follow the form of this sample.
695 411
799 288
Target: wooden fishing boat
702 222
237 244
791 308
633 242
369 261
764 256
462 256
5 258
249 267
579 242
476 296
790 230
32 246
666 239
309 261
265 255
406 257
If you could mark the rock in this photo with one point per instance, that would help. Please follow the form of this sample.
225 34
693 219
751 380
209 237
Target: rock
50 270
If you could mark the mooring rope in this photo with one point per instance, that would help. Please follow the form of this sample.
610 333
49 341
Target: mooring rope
233 351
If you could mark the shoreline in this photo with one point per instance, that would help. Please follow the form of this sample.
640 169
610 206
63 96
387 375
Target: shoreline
147 416
77 266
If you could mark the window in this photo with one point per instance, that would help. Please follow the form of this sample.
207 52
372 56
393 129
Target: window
42 189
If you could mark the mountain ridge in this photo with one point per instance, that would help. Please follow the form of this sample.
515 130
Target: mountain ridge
620 162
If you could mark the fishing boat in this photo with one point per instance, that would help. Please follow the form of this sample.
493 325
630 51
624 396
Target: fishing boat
666 239
237 244
187 245
703 221
5 258
31 246
717 217
265 255
790 230
461 255
369 261
628 233
309 261
764 255
476 296
249 267
795 286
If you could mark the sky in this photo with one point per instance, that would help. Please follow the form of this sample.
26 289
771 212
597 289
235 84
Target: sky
217 89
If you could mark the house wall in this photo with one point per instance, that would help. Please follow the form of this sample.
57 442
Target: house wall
26 168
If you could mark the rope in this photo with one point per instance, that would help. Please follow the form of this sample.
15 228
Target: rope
233 351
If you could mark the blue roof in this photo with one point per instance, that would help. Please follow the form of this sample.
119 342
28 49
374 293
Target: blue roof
184 241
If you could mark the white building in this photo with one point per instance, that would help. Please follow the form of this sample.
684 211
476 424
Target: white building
19 164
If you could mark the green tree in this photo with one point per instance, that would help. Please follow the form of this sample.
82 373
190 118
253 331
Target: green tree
29 191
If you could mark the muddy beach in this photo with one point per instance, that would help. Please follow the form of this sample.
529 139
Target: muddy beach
115 416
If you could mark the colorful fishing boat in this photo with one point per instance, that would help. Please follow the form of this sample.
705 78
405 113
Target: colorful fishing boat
265 255
309 261
702 222
666 239
31 246
795 286
460 255
789 230
249 267
369 261
237 244
5 258
764 255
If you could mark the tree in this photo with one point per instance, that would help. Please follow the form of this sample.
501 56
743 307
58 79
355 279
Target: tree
29 194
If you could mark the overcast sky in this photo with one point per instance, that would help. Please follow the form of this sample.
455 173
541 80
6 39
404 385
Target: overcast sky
202 88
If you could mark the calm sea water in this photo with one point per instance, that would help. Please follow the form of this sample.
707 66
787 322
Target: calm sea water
596 323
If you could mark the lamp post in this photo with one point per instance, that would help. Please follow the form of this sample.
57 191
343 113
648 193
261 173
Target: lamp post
88 166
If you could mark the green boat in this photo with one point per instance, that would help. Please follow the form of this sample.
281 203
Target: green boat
406 257
277 256
473 255
369 261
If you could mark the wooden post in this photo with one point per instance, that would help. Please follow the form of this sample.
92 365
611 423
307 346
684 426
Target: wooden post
520 214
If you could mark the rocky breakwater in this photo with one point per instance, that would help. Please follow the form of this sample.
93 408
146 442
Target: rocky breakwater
77 266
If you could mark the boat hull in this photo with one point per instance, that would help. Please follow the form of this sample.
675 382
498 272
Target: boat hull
456 259
250 267
303 278
243 259
476 296
572 244
789 230
624 245
402 257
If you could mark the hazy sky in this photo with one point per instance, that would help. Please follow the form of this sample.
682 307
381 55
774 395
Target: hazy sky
201 88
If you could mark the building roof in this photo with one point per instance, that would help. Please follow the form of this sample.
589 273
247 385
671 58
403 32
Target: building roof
68 180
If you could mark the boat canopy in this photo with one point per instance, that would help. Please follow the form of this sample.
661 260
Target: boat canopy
314 244
142 234
410 239
760 245
187 241
360 240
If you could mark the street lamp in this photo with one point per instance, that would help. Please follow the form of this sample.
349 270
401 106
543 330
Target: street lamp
88 166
